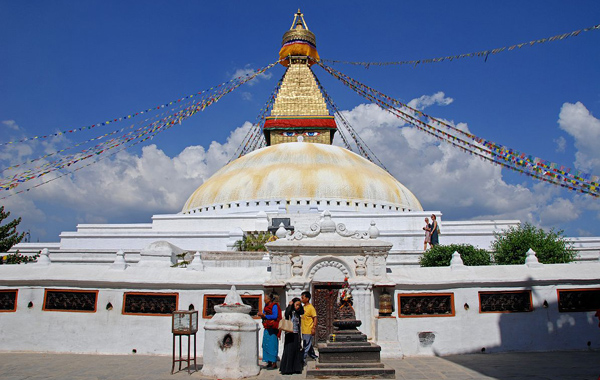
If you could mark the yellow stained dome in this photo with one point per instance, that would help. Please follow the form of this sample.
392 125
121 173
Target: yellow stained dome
300 171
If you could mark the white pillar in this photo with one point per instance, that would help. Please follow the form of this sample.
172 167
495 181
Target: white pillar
362 295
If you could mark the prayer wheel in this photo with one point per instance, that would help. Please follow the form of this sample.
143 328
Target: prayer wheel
385 304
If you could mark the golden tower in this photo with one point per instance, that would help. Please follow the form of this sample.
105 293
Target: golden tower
299 112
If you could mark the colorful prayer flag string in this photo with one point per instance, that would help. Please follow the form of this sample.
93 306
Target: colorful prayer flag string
485 149
483 53
124 141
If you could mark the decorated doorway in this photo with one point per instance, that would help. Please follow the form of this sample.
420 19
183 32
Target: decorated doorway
325 300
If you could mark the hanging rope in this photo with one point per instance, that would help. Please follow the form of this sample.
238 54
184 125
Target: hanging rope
500 155
255 138
363 148
484 53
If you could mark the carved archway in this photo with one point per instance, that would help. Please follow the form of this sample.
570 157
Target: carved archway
328 262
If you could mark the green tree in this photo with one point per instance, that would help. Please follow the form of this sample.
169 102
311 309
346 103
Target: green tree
440 255
8 232
511 246
254 242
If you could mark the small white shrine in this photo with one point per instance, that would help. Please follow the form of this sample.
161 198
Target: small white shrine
231 341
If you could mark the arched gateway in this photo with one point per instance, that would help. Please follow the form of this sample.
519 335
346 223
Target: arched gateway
323 258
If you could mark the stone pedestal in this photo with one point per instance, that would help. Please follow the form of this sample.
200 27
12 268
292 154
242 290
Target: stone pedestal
348 353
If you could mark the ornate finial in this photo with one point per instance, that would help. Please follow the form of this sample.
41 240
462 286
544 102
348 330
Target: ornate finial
299 42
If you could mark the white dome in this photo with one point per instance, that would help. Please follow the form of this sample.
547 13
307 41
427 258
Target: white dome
297 171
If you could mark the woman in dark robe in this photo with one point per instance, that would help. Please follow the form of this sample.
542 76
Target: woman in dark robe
293 356
435 231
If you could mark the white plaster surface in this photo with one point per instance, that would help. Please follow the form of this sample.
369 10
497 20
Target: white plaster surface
231 323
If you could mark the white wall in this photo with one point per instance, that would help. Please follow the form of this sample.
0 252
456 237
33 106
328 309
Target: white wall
108 331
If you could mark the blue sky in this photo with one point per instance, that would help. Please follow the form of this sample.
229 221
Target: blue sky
68 64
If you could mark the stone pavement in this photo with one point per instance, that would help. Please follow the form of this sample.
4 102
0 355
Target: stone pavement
571 365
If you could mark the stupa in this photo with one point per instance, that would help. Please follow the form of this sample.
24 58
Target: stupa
109 288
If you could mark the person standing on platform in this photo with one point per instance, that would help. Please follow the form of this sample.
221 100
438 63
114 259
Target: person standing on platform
309 326
435 231
271 315
427 235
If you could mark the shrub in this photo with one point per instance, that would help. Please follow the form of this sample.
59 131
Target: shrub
17 258
511 246
440 255
254 242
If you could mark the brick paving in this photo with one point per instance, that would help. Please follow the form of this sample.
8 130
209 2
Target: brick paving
566 365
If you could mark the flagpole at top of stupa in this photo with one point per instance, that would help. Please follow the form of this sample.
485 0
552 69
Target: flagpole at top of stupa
298 42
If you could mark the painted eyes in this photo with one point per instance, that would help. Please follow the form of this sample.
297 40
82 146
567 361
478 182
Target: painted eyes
308 134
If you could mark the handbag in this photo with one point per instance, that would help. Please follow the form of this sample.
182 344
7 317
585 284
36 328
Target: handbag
286 325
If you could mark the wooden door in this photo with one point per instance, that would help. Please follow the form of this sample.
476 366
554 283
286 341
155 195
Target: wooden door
325 300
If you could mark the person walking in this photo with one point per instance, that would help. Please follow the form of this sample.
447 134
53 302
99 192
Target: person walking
291 360
309 326
271 315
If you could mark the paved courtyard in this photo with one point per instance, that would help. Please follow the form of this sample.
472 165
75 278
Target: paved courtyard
584 365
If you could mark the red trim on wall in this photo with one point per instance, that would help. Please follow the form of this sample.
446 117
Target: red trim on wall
328 123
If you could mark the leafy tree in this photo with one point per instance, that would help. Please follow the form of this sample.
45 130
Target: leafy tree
8 232
441 255
252 242
511 246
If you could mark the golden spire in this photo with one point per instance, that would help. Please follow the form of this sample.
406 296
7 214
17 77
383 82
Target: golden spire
299 111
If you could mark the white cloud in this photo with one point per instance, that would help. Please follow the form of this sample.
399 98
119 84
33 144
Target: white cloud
439 98
577 121
247 71
561 144
444 178
10 124
122 187
559 211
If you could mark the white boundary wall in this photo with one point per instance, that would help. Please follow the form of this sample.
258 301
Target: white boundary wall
111 332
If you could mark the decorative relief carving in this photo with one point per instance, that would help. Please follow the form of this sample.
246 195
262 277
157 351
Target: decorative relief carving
578 300
329 263
507 302
8 300
343 231
326 225
425 305
280 265
297 266
325 300
361 265
150 303
70 300
315 229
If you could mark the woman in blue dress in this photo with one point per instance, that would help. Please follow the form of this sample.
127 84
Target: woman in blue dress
271 315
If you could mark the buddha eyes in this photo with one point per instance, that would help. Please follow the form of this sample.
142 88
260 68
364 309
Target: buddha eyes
308 134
